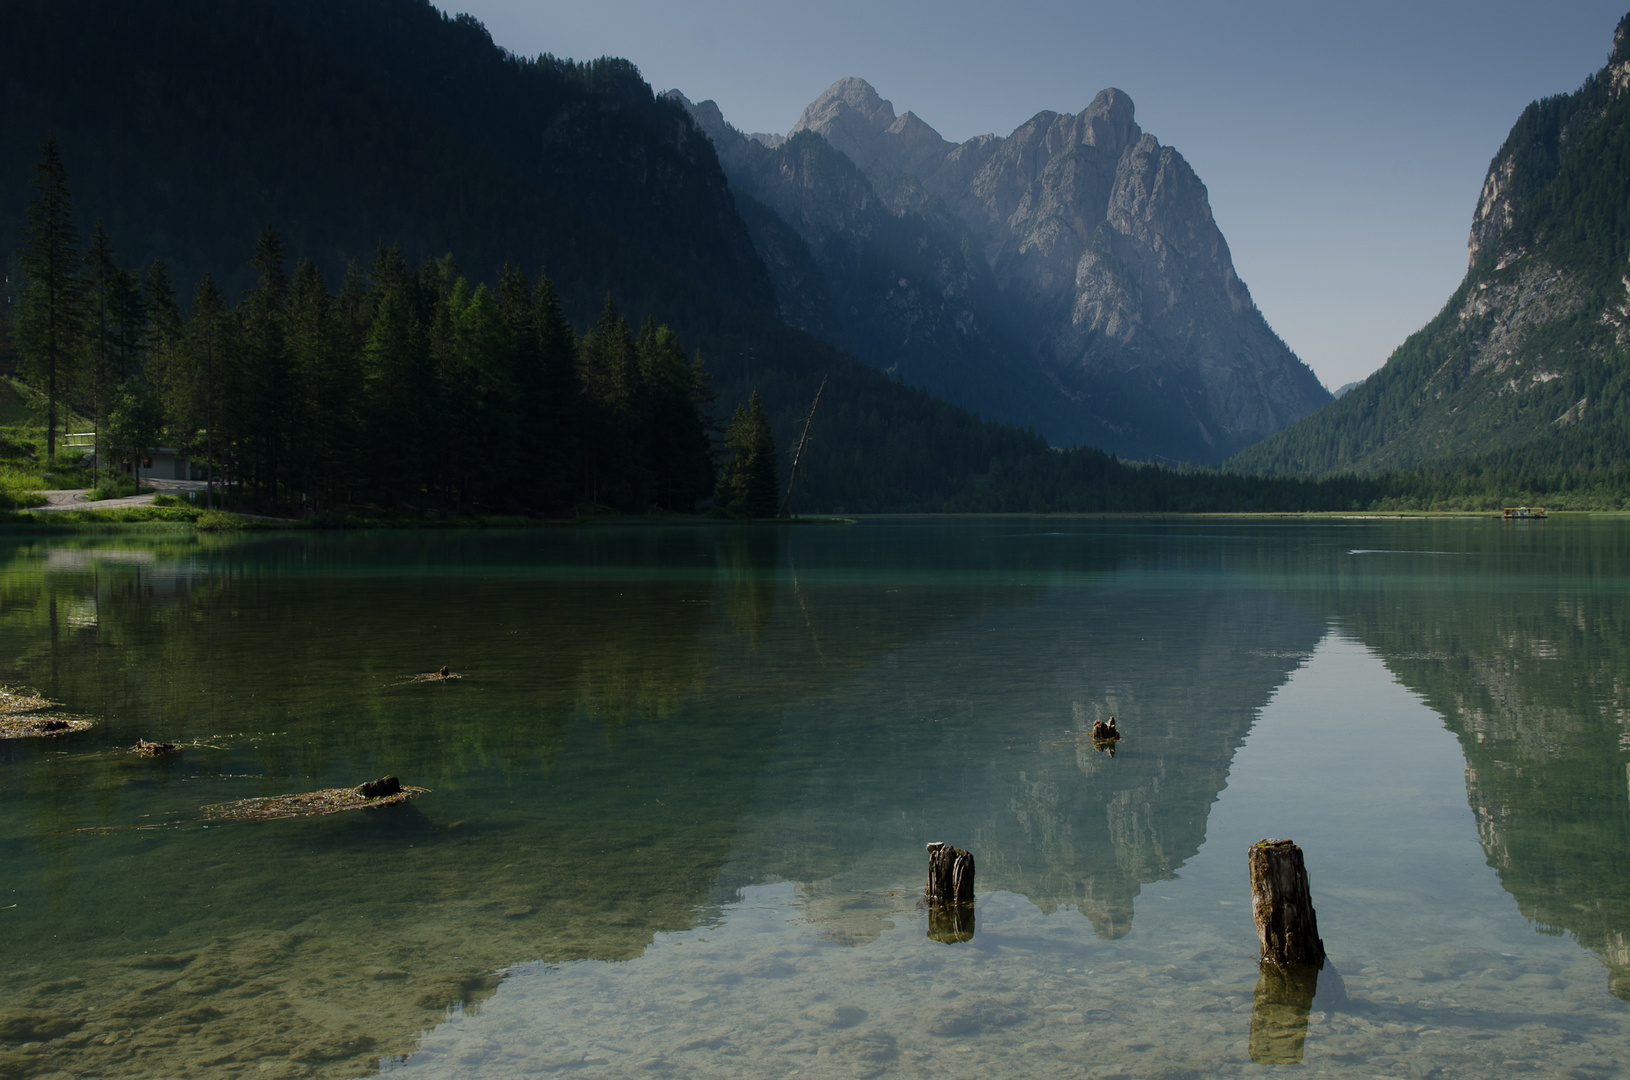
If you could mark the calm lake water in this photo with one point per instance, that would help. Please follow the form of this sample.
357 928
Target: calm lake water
679 800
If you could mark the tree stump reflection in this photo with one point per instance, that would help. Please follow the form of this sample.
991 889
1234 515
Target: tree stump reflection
951 923
1284 996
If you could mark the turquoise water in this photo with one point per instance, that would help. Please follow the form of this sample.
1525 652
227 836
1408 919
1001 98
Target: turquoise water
680 795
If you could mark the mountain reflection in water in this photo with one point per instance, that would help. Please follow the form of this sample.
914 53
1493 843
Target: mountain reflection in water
656 722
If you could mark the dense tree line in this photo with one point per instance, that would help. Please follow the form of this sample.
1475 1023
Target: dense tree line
403 387
416 387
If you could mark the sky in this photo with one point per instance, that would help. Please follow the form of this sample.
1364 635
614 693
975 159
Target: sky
1343 145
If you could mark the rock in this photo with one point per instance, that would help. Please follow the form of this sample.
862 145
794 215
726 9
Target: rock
159 961
22 1027
970 1015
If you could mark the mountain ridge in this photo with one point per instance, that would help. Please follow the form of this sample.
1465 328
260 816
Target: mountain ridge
1131 328
1525 366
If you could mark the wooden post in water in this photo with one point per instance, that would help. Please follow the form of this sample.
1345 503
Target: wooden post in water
949 893
950 875
1282 905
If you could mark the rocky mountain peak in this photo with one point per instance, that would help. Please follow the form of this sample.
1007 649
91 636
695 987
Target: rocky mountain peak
843 100
853 118
1074 264
1108 121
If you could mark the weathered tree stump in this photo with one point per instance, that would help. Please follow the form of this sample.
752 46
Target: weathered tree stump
1279 1009
949 893
1282 906
950 875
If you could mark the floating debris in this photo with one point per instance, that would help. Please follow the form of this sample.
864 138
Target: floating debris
14 701
143 748
26 727
386 791
22 716
444 675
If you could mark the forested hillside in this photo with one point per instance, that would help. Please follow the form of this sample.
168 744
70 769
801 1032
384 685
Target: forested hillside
308 240
187 125
1523 375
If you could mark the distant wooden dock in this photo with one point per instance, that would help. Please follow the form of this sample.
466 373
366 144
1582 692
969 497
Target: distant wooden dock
1523 513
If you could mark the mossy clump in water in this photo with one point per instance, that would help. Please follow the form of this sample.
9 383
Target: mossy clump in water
387 791
23 715
444 675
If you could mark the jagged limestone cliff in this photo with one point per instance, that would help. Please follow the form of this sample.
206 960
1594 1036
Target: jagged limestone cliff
1076 259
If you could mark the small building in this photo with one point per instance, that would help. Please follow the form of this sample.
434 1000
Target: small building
167 463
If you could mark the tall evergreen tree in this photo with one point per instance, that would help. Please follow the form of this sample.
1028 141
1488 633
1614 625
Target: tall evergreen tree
326 379
99 375
609 370
673 438
49 315
210 367
747 487
556 411
268 404
398 381
166 341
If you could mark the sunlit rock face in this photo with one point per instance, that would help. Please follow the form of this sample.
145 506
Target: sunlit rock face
1078 240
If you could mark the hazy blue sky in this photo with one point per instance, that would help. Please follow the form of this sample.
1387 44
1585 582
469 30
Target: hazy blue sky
1343 144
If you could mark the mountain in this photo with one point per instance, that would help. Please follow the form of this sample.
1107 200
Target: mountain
1068 275
1524 369
186 125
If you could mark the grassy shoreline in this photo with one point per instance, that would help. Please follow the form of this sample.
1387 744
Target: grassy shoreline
183 518
188 519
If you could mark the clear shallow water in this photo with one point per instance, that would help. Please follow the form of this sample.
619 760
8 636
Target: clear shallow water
681 795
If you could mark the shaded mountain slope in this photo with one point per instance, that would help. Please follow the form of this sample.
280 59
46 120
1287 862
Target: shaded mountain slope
187 125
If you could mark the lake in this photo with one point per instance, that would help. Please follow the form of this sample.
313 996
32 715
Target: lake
680 794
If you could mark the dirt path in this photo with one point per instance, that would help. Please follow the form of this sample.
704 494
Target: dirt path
79 499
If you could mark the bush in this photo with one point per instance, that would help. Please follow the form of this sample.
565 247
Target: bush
219 521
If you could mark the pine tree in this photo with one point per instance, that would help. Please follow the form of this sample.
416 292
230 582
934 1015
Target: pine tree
166 342
397 380
559 402
317 420
49 310
268 403
609 371
99 374
209 370
747 487
672 437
